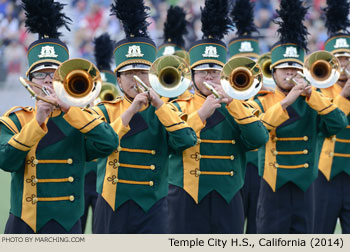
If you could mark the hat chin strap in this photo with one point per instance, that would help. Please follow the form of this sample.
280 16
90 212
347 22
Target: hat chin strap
195 85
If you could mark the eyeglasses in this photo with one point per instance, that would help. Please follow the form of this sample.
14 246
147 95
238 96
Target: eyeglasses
42 75
130 74
204 73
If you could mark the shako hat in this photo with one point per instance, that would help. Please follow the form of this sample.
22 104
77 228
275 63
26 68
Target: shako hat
288 52
175 27
244 44
337 23
44 17
104 55
137 51
210 51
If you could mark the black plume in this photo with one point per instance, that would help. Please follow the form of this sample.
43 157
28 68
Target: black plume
133 15
104 51
292 29
242 15
175 26
215 20
337 13
44 17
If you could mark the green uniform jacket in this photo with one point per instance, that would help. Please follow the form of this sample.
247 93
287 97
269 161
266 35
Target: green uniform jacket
47 164
334 151
218 160
138 169
290 154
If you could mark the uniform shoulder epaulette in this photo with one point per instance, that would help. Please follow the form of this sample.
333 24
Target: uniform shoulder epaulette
18 109
23 115
187 98
264 92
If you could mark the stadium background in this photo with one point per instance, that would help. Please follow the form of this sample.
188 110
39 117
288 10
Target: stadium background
90 18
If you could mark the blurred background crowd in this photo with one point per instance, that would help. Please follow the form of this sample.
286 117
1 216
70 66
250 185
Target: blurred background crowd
91 18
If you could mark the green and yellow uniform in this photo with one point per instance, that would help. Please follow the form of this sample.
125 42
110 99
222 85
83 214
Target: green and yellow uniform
138 169
290 153
47 163
217 161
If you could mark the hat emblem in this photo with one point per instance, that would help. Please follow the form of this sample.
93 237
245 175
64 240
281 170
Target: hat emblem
341 43
134 51
47 52
246 46
169 50
291 52
210 52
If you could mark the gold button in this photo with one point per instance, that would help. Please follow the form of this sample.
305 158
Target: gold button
198 141
306 138
306 165
199 156
275 153
117 164
151 183
334 139
35 161
119 148
331 154
274 138
115 180
276 165
35 180
70 161
153 167
70 179
153 152
233 142
232 157
71 198
198 172
305 151
232 173
35 200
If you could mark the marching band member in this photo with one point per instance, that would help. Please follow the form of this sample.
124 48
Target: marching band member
46 148
133 180
103 55
245 44
205 179
294 114
332 200
174 43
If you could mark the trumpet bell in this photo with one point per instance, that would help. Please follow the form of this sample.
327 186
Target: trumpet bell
322 69
170 76
264 62
241 78
109 92
77 82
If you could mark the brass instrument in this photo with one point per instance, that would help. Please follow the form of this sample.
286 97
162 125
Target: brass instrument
27 84
170 76
300 74
140 85
322 69
264 62
344 70
109 92
77 82
212 90
241 78
183 54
